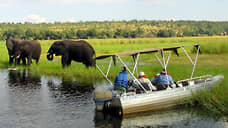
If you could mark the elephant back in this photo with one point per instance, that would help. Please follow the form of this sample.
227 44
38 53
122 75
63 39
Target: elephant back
37 49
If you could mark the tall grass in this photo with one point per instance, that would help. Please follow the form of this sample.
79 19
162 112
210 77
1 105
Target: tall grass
209 45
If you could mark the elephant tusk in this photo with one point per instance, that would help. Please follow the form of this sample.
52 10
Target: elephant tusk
11 56
18 57
48 54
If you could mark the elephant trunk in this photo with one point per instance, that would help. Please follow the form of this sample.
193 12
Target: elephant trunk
49 56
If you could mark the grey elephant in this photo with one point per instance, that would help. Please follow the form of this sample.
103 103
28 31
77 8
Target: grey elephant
22 49
10 46
79 51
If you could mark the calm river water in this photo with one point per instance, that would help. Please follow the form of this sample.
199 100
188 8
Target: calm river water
28 101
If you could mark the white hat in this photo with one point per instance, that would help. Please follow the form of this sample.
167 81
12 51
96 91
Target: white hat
141 74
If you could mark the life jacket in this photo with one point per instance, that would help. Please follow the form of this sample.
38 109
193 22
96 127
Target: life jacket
121 79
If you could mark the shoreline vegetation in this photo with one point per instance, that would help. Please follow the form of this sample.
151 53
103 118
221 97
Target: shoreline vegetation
212 61
113 29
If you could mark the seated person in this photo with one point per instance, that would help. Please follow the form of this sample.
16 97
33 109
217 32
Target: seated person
160 81
121 81
146 82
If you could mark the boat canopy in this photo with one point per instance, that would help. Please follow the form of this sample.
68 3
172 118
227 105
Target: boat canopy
135 54
144 51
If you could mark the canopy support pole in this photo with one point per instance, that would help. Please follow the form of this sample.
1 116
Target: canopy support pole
104 74
136 64
109 66
165 66
159 60
195 61
187 55
168 59
131 74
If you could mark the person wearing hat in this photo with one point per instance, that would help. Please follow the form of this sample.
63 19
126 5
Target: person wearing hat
161 81
121 81
142 78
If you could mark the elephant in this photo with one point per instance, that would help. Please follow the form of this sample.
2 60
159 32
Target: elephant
10 45
23 49
80 51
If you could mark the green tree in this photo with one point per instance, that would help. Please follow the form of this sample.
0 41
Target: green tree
92 33
29 34
82 34
163 33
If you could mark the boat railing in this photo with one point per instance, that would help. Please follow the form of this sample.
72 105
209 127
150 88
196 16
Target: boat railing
195 78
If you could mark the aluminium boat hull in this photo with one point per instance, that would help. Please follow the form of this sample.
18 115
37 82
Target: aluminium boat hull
160 99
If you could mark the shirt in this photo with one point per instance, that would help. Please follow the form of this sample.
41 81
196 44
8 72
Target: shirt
143 80
121 79
162 79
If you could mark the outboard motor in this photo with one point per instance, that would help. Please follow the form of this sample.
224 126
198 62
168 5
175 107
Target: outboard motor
102 99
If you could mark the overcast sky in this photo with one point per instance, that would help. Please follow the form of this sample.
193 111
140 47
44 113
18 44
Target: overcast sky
99 10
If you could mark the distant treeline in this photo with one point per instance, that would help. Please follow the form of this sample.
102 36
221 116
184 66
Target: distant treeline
112 29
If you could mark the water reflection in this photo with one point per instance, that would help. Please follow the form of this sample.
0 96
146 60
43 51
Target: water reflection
71 102
103 120
70 86
69 89
23 78
40 101
179 118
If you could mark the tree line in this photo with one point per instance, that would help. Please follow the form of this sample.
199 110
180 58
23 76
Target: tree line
112 29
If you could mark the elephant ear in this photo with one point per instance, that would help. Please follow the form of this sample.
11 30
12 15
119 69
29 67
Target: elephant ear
9 44
16 42
60 47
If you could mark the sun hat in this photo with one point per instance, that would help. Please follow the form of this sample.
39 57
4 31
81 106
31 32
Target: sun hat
141 74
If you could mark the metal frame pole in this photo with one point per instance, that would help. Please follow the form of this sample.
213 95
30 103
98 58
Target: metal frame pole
132 74
104 75
136 64
109 66
168 59
163 56
196 58
159 60
187 55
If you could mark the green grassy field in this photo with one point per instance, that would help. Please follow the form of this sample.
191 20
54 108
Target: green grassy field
213 61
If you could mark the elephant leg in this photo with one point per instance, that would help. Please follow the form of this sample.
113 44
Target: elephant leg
89 62
37 61
29 60
92 62
11 60
68 62
86 64
17 61
24 61
64 60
